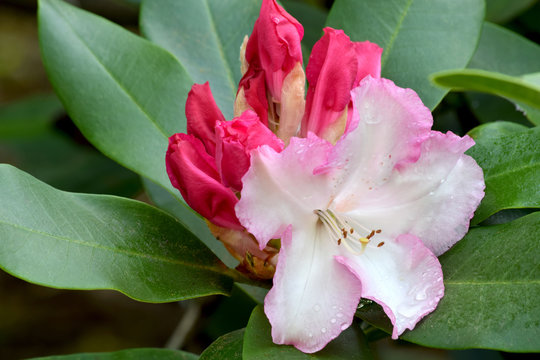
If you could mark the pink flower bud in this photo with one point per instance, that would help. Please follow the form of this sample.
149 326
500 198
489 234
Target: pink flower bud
193 171
336 66
273 81
202 113
234 141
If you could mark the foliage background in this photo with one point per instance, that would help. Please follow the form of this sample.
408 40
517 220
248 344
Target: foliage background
38 137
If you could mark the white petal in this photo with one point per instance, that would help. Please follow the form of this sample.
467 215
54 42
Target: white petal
401 275
392 123
314 298
433 199
280 189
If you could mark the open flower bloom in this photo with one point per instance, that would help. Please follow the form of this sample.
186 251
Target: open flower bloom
363 218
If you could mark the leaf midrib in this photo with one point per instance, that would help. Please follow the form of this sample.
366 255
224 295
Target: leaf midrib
394 35
111 75
228 68
114 250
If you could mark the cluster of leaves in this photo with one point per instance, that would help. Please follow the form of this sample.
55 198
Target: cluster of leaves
126 94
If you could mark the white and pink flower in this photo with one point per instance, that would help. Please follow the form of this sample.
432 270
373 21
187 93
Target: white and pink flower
362 193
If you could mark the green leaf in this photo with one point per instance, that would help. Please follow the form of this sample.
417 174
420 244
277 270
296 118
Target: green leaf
511 167
501 11
504 51
496 129
206 36
79 241
125 94
130 354
228 346
418 37
510 87
491 298
258 344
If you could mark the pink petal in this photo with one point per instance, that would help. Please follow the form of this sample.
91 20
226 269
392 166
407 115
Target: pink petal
234 141
202 114
314 298
274 45
253 87
193 172
401 275
279 189
391 125
335 67
433 198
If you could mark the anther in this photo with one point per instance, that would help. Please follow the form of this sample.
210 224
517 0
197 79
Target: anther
378 231
371 234
380 244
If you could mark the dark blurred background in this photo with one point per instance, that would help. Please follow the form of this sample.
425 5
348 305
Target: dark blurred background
37 136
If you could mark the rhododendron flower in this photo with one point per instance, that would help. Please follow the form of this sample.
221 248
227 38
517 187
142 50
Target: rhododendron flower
365 218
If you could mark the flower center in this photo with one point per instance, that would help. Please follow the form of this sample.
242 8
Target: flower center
344 230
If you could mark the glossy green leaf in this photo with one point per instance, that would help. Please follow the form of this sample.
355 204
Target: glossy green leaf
504 51
511 167
228 346
496 129
510 87
124 93
491 292
501 11
130 354
418 37
258 344
79 241
206 36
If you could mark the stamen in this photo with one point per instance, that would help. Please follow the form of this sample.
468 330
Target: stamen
340 230
380 244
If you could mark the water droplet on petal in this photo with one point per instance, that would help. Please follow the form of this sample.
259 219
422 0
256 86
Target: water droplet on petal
334 307
323 330
317 307
310 335
339 315
420 296
431 193
344 326
443 180
333 321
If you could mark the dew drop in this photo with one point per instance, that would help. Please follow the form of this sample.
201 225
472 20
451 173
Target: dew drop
333 321
431 193
310 335
317 307
334 307
339 315
421 296
323 330
443 180
344 326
